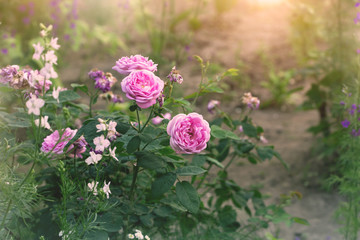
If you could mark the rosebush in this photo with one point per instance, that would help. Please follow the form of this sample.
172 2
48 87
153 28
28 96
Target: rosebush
97 174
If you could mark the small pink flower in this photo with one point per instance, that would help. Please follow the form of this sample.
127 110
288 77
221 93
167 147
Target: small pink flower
106 189
38 51
212 105
250 101
50 57
53 43
93 187
101 127
101 143
53 144
48 71
126 65
241 129
112 153
93 159
157 120
263 139
56 92
34 104
143 87
44 122
188 133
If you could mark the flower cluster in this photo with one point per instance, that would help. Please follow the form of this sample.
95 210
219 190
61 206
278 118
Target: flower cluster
34 81
138 235
188 133
93 186
250 101
174 76
103 81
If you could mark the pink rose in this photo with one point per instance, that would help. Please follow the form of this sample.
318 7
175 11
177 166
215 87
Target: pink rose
52 144
188 133
143 87
126 65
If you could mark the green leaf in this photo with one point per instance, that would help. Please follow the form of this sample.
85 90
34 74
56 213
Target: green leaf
81 87
214 161
266 152
300 221
96 235
110 221
67 96
149 160
147 220
190 171
163 184
188 196
220 133
133 144
249 130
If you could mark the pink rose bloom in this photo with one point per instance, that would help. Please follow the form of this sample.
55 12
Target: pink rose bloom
52 144
126 65
188 133
143 87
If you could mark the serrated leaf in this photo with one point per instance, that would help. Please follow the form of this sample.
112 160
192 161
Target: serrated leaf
249 130
266 152
190 171
133 144
149 160
188 196
163 184
81 87
214 161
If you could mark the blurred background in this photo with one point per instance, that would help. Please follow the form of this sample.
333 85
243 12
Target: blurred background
295 55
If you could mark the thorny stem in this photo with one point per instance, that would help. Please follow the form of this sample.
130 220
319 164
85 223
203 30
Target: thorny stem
147 121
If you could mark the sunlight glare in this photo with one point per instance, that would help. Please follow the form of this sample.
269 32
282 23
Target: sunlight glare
268 2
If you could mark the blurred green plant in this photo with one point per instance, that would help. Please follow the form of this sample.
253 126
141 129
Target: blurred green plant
278 85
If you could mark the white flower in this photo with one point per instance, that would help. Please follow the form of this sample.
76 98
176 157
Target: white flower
48 71
34 104
138 234
101 127
44 122
112 126
101 143
93 159
54 44
131 236
106 190
147 237
93 187
56 92
112 153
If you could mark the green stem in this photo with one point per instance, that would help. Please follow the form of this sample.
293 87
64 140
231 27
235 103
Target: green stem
200 85
231 160
147 121
205 175
132 189
138 119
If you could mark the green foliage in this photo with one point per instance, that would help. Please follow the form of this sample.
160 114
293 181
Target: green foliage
278 85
